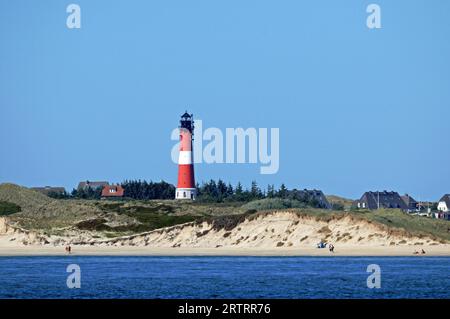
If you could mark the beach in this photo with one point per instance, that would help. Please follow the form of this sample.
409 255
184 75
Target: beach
344 250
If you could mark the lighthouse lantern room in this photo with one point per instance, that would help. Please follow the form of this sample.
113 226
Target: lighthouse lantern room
186 181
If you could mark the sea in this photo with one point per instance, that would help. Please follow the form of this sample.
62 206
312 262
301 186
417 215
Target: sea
224 277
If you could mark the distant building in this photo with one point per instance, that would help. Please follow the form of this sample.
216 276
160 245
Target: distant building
411 204
443 207
112 191
93 185
441 215
444 204
311 195
46 190
385 199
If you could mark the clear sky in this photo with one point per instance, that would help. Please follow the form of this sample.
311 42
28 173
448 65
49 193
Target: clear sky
358 109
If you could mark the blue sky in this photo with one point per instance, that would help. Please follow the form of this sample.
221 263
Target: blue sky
358 109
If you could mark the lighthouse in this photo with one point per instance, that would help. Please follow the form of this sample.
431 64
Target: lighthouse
186 181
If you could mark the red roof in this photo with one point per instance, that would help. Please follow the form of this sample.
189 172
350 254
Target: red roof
112 191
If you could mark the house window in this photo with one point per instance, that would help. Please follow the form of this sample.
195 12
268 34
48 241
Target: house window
359 205
364 205
184 194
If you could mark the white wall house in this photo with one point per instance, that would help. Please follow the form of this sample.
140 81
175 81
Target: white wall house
444 204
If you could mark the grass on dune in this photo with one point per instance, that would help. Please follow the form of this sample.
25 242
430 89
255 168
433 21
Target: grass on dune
392 218
416 225
33 210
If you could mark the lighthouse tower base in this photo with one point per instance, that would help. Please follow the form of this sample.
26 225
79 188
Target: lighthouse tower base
186 193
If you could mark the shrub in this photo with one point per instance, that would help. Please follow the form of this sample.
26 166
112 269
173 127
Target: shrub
7 208
273 203
337 206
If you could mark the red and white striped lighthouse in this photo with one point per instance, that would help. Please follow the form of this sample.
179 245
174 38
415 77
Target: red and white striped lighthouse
186 181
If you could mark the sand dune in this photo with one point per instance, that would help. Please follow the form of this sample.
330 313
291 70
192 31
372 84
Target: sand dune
279 229
277 233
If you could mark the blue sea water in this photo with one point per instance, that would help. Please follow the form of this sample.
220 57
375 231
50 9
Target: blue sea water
224 277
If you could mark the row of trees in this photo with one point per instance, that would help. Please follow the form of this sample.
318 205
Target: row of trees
212 191
82 193
135 189
138 189
87 193
219 191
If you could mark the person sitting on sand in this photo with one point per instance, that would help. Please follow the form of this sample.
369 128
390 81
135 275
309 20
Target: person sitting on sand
423 252
416 252
321 245
331 247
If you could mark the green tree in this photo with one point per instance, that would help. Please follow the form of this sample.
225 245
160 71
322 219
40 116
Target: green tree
282 192
270 191
255 191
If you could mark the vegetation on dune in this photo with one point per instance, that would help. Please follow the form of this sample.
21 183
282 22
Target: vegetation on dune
152 215
155 221
147 222
39 212
36 211
392 219
274 203
416 225
339 203
58 195
21 196
82 193
7 208
227 222
97 224
172 207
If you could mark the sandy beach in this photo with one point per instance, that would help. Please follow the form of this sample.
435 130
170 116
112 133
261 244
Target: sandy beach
346 250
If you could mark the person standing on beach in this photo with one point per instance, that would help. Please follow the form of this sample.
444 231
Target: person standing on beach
331 247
